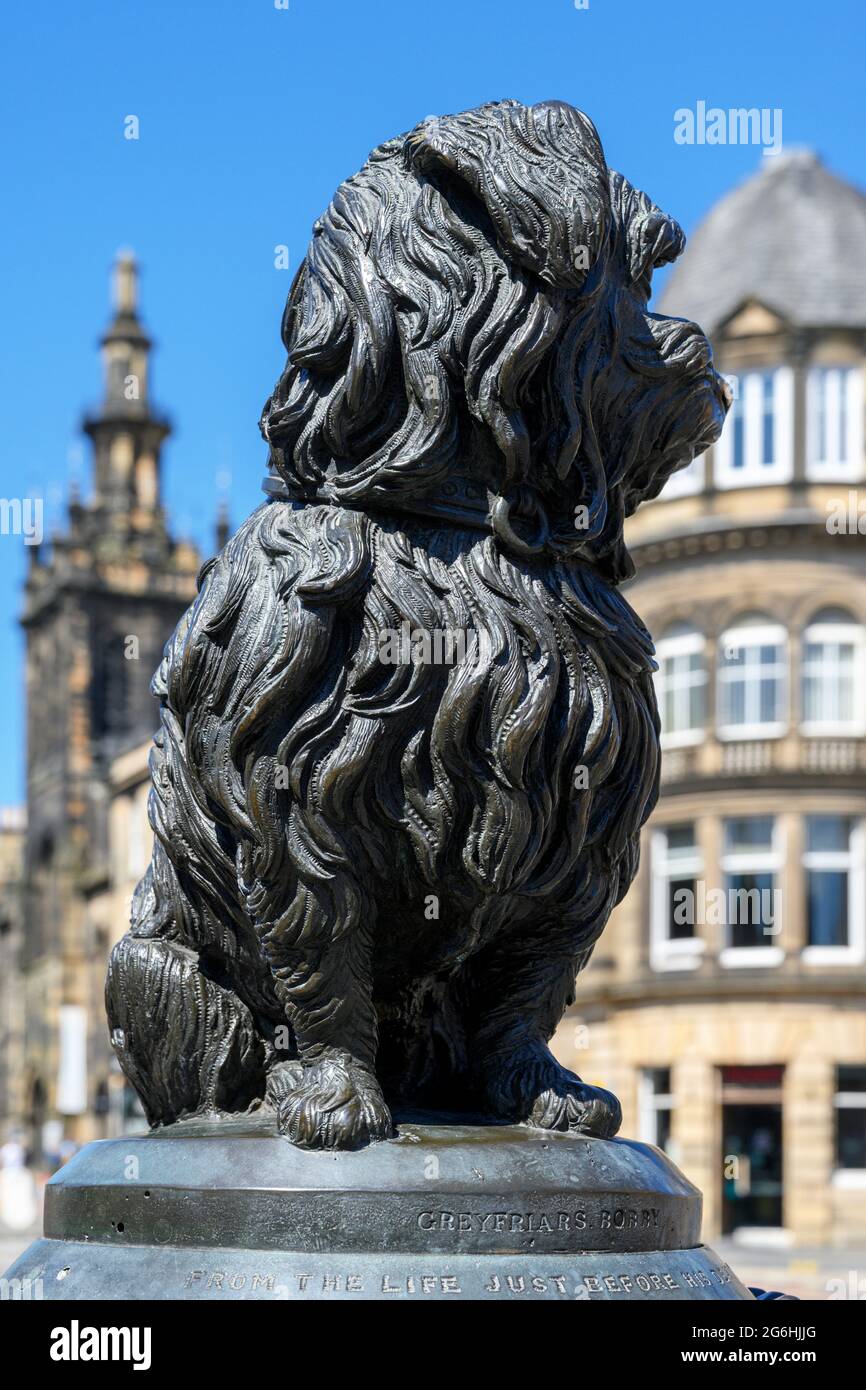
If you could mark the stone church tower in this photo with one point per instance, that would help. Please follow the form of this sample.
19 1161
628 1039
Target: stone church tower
98 610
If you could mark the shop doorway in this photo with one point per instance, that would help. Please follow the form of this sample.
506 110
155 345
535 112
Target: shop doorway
752 1159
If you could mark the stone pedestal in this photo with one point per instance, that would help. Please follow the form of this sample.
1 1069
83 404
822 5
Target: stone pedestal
447 1210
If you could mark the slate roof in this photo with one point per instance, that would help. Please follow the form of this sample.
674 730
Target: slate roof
793 237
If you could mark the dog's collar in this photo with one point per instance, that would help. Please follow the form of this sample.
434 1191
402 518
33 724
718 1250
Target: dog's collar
461 501
520 520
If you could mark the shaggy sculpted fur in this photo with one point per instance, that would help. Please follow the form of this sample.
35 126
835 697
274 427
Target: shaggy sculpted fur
374 879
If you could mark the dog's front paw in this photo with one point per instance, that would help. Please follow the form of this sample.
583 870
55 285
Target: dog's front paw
337 1104
283 1078
531 1087
570 1104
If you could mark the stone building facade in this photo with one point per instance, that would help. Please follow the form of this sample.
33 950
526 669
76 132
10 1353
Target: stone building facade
726 1002
12 826
107 912
100 602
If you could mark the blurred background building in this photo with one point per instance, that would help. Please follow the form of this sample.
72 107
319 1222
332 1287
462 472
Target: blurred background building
12 825
100 601
726 1002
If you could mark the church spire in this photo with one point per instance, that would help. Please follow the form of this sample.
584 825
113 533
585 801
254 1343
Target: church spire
127 434
125 283
125 346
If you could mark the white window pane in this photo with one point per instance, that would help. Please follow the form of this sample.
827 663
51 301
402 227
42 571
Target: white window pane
835 422
854 418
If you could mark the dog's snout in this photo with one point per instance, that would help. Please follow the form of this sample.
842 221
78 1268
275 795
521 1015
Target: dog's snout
721 388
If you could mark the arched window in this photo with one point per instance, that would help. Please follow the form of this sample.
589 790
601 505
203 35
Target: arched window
681 685
832 674
753 679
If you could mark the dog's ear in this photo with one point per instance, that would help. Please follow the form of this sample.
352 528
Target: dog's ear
651 238
540 173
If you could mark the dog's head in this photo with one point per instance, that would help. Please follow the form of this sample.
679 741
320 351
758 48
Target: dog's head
468 337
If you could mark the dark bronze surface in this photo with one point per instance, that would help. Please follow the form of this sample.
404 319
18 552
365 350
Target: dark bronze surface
230 1209
375 875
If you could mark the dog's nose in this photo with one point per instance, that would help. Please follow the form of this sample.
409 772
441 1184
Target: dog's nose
725 392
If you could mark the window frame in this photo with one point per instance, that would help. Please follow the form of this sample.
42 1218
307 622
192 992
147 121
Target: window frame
854 860
852 1178
845 383
688 643
742 634
749 407
770 860
667 952
651 1103
817 633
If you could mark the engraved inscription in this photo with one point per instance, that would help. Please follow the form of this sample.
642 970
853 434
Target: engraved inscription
520 1283
495 1283
539 1222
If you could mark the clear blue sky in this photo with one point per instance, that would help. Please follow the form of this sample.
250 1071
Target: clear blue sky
249 117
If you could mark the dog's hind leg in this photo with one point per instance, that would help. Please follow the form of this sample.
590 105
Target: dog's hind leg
186 1043
321 959
185 1039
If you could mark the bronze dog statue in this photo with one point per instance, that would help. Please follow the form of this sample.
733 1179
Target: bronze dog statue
377 872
